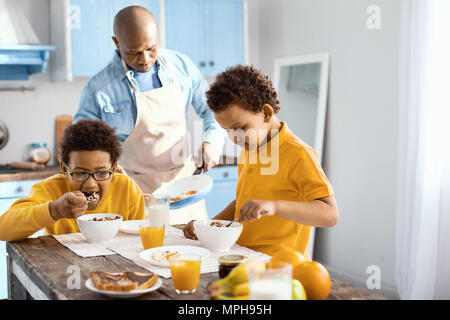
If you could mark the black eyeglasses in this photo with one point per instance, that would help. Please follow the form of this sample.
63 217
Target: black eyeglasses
82 176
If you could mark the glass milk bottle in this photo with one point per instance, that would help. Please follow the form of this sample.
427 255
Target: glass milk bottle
157 210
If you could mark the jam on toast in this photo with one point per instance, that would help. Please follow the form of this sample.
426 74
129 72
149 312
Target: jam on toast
125 281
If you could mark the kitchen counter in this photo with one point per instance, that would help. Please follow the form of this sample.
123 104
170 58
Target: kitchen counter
38 174
21 175
225 161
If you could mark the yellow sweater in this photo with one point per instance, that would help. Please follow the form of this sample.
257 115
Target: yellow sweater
28 215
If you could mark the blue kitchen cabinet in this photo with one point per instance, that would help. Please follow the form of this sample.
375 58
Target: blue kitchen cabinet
92 31
224 189
211 33
224 34
184 28
9 193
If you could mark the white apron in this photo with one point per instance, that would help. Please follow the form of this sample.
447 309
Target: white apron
156 151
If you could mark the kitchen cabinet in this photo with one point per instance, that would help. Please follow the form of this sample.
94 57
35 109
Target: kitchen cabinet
224 189
10 192
92 29
211 33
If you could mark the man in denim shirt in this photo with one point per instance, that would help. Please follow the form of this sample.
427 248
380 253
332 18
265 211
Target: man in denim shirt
144 93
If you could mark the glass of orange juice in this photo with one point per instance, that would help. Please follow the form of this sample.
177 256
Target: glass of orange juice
151 236
185 270
157 216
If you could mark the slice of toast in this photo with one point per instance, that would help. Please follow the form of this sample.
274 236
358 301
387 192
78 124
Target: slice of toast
124 281
143 280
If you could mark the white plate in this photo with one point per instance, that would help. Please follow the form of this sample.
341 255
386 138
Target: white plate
125 294
147 254
131 226
201 183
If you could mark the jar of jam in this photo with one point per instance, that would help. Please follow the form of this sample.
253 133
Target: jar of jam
228 262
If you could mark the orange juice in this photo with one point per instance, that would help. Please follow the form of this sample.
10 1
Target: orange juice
185 274
152 236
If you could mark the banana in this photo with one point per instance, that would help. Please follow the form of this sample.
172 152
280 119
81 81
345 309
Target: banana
241 289
236 282
226 297
240 273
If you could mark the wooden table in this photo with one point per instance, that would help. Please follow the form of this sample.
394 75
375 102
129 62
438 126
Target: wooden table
42 268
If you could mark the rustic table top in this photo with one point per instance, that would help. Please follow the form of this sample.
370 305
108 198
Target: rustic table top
48 265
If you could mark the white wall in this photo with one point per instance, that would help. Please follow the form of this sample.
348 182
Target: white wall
30 115
360 140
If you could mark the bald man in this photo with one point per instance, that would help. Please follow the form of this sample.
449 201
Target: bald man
144 93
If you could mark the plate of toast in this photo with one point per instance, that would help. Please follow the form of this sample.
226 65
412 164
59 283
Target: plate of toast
125 284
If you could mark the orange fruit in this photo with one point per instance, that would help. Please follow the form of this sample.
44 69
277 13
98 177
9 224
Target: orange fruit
314 278
289 256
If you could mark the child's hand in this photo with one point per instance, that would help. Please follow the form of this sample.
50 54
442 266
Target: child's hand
254 209
71 205
189 232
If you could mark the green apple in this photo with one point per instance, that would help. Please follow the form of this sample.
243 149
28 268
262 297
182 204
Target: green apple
298 292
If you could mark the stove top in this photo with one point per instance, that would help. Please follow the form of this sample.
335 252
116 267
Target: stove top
6 169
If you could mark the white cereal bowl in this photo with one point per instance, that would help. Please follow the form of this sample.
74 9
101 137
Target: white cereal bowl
99 231
217 239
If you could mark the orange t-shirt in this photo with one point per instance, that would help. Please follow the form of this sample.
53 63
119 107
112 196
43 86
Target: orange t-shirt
288 171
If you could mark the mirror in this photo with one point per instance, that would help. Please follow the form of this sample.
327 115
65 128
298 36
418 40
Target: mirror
3 135
302 86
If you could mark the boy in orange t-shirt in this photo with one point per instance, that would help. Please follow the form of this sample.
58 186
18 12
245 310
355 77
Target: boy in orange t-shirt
282 190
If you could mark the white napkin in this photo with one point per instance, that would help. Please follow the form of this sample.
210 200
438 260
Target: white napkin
130 246
78 244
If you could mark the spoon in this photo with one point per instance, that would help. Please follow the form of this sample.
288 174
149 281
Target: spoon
235 219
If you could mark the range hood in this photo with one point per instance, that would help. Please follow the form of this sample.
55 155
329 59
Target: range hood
20 51
18 62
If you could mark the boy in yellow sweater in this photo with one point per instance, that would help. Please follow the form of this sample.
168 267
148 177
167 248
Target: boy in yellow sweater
88 184
282 190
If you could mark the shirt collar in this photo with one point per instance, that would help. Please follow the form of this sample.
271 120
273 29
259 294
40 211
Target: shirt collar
266 151
117 64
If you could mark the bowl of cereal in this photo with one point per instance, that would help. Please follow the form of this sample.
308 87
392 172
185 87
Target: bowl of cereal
215 235
98 227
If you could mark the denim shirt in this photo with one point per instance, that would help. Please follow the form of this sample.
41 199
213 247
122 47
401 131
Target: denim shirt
109 96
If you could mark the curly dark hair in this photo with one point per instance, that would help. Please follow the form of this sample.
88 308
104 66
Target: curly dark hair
90 135
244 85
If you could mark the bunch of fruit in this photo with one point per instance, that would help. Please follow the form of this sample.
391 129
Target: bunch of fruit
314 280
235 285
310 279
